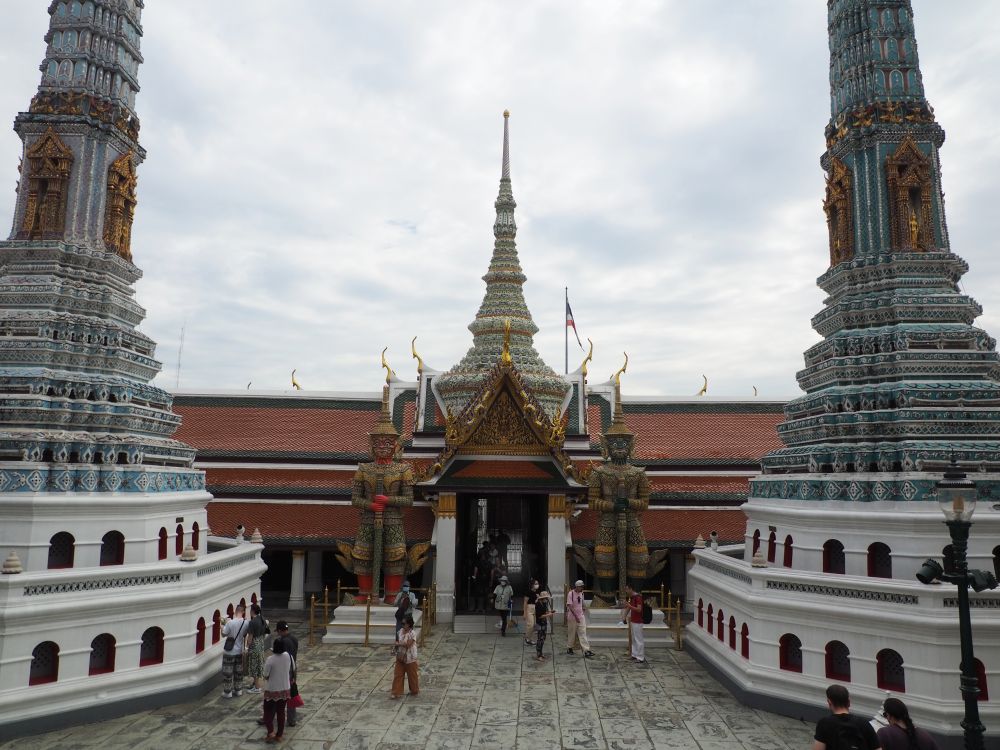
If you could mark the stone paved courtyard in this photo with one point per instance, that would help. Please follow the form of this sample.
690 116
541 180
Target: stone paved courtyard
478 691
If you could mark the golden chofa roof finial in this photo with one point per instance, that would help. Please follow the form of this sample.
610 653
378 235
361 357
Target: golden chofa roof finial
588 358
617 377
505 356
389 373
413 351
618 426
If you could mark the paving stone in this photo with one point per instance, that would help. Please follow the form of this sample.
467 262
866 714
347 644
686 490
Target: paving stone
478 691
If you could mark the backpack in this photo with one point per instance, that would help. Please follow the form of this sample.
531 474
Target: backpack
849 737
647 614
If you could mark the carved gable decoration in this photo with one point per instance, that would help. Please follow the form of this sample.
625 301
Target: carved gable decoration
504 419
838 206
47 180
504 431
908 173
120 210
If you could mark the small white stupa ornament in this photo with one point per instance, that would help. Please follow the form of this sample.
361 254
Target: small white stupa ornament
12 564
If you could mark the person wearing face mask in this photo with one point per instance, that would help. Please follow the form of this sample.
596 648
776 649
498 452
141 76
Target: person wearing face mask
530 599
405 603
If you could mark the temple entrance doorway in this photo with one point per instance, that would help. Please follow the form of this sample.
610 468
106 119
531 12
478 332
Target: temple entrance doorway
516 525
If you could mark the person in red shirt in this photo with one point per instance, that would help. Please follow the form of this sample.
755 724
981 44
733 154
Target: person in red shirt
633 613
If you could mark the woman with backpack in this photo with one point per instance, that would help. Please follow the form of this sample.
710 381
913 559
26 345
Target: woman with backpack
901 734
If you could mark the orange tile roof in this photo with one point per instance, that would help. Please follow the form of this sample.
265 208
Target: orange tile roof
309 522
701 485
672 435
241 429
680 527
270 478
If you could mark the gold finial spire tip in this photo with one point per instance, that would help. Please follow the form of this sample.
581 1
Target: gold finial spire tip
506 113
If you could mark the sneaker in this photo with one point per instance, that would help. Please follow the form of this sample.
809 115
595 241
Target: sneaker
569 651
238 693
254 690
289 723
589 654
227 694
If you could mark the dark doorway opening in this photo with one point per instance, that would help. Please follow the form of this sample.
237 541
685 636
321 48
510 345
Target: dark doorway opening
517 526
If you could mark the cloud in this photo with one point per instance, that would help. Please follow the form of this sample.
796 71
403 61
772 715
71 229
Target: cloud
320 180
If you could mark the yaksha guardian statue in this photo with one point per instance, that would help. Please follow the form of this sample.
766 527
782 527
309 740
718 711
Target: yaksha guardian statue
381 489
619 491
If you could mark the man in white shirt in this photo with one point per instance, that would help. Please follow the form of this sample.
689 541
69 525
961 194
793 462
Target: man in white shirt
232 658
576 620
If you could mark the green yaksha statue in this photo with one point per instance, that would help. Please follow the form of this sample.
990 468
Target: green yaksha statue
619 491
382 488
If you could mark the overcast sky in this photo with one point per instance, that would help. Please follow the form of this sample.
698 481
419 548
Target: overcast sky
321 177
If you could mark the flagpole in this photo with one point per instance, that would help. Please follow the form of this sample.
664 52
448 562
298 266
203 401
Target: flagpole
566 329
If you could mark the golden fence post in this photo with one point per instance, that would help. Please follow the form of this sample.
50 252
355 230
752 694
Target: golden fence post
312 609
661 595
368 618
326 604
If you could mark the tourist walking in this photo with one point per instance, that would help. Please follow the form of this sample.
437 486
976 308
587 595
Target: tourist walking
529 611
633 615
842 728
576 620
901 734
406 660
277 689
502 596
258 631
292 649
405 602
543 614
234 631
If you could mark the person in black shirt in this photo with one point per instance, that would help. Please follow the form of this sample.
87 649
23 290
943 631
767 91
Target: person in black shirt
841 727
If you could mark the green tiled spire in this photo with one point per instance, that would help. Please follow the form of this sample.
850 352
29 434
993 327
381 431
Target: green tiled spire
504 300
902 380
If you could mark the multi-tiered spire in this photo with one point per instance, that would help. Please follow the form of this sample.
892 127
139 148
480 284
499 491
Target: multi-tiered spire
901 380
77 410
78 174
503 302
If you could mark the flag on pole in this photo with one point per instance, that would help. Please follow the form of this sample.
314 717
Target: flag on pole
570 323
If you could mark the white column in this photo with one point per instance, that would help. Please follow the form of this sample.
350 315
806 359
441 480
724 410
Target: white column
556 551
296 597
445 528
314 572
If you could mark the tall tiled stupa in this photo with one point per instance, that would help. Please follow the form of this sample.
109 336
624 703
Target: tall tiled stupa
843 516
503 301
108 593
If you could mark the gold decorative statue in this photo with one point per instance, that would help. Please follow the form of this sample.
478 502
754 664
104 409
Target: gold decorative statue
619 491
914 230
382 488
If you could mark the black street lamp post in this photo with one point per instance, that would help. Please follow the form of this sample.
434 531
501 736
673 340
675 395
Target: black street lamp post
957 497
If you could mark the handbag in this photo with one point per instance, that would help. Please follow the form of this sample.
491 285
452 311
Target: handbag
231 640
294 699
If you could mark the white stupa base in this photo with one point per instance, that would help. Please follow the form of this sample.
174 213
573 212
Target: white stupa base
348 624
